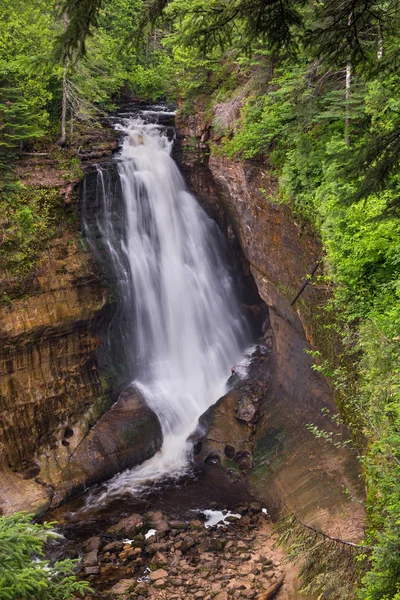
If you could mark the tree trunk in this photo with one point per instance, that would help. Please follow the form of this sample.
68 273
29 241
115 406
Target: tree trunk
347 122
272 590
380 46
63 139
71 124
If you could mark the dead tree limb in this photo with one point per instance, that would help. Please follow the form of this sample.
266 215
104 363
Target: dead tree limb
272 590
305 284
329 537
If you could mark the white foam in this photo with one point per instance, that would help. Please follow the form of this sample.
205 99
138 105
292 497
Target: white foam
218 518
150 533
188 330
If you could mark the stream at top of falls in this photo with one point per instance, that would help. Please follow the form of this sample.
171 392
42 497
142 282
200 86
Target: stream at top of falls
182 325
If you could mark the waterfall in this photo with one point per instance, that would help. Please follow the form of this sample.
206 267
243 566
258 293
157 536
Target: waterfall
184 328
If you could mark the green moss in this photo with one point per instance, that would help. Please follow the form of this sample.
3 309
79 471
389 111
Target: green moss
228 463
137 428
30 218
269 446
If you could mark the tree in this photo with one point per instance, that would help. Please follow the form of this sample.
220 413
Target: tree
24 572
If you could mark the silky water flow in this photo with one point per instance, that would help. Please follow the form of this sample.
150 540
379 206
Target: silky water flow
184 327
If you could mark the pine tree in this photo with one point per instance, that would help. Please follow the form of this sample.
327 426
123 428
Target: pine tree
17 123
24 571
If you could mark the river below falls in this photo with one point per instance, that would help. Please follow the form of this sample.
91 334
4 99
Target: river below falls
202 537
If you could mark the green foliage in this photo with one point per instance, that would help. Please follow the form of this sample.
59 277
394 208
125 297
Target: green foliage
29 218
26 31
24 571
335 154
31 80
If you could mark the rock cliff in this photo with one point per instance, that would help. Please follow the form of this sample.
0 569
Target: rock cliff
290 467
55 373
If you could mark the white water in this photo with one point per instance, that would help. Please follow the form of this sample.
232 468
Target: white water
188 330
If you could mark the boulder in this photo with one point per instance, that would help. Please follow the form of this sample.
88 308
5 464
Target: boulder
128 526
125 436
122 587
159 574
226 434
247 409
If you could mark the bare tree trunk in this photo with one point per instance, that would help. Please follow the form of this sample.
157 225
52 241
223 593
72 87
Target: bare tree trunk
347 122
71 124
380 46
348 84
63 139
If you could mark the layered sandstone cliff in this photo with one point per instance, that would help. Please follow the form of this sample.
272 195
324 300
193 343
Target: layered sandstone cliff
57 374
290 466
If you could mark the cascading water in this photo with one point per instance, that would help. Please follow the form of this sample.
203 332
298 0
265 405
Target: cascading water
186 329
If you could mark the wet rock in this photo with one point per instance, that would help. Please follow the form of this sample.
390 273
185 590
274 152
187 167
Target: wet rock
158 574
108 570
181 525
122 587
196 524
230 451
125 436
156 520
160 560
156 547
213 459
128 526
92 543
94 570
129 553
247 409
241 509
255 507
141 588
91 559
244 460
224 430
113 546
188 543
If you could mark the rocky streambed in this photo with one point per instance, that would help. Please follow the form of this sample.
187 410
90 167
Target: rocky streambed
156 556
203 536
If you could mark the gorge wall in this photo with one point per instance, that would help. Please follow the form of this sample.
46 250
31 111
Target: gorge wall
57 378
56 375
290 467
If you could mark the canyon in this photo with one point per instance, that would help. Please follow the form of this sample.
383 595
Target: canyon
60 376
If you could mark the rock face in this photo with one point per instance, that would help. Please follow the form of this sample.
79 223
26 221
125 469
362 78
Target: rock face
50 386
228 440
125 436
291 466
56 369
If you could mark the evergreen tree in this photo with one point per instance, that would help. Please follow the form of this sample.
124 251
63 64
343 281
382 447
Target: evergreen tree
24 572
